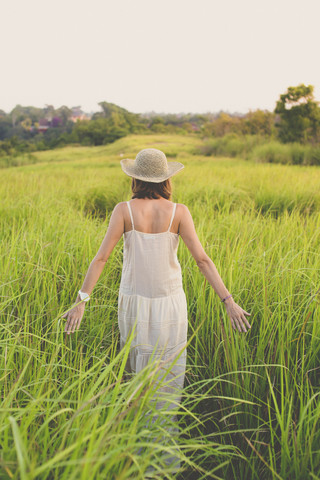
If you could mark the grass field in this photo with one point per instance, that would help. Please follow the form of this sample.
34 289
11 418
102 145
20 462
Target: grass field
251 405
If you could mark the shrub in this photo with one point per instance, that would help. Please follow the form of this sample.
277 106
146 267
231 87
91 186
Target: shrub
289 153
231 145
312 156
297 152
271 152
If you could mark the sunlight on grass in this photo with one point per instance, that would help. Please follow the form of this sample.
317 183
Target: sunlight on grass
250 408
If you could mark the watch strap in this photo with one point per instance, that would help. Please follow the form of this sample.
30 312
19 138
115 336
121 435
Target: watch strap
84 296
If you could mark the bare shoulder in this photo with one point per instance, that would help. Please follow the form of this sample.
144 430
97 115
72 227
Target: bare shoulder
119 208
120 205
182 211
181 207
118 213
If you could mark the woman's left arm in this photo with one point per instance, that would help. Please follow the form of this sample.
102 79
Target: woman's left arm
113 235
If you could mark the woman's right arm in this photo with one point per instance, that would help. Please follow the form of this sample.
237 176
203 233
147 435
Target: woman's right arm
113 235
208 269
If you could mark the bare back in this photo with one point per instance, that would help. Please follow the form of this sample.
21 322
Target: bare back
152 216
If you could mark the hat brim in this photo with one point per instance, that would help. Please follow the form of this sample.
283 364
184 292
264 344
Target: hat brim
127 165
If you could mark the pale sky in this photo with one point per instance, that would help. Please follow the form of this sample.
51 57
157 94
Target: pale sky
163 55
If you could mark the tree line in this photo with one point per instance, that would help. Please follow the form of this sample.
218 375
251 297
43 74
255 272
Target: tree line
296 118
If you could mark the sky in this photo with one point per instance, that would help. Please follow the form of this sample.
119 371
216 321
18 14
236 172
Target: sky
173 56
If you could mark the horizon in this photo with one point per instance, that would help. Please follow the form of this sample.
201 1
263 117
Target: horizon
236 113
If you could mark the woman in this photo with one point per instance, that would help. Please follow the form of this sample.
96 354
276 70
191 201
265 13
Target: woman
151 290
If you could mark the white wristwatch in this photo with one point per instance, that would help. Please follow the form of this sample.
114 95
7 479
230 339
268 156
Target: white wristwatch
84 296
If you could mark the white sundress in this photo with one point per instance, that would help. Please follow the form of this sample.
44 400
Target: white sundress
151 291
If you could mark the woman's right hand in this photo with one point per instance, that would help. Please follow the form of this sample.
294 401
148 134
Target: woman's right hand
74 316
237 315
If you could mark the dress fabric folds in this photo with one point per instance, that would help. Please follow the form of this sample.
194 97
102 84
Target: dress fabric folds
151 295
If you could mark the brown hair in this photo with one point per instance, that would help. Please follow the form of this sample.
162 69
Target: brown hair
141 189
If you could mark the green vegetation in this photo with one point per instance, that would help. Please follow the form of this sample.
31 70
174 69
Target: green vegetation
250 408
296 120
299 115
260 149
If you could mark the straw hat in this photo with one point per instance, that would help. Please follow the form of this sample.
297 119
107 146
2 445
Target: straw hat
150 165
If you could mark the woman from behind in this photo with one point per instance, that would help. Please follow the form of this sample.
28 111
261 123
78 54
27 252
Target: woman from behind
151 295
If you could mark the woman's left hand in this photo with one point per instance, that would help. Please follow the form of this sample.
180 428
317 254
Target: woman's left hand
74 317
237 315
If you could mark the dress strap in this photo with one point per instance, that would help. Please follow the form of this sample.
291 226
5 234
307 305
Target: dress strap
129 207
173 212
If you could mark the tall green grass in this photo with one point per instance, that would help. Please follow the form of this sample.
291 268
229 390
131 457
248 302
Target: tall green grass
260 149
250 406
290 153
231 145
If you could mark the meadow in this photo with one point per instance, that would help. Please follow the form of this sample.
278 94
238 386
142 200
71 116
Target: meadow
250 408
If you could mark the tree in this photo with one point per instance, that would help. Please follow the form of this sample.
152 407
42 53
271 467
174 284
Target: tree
5 127
64 113
222 125
17 114
120 117
299 115
259 122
